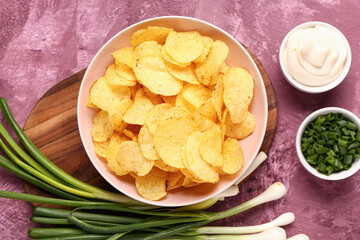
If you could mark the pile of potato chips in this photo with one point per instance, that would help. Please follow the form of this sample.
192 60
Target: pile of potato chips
170 111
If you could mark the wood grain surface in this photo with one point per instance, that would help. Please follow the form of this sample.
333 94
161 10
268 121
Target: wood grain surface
52 126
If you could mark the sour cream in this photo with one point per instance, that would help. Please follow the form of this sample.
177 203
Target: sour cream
315 56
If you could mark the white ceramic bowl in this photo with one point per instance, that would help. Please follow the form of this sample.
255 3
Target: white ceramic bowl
310 89
333 176
238 56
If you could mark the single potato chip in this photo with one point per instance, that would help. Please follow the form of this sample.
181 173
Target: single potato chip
101 148
147 49
241 130
131 159
207 42
146 142
238 93
124 55
154 115
115 80
184 47
152 186
200 170
101 94
186 74
158 34
113 149
163 166
117 110
174 180
101 129
152 73
171 135
196 94
232 155
138 110
208 70
166 56
211 147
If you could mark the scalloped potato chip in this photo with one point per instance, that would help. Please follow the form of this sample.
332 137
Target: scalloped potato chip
124 55
152 186
158 34
101 129
101 94
184 47
233 156
238 93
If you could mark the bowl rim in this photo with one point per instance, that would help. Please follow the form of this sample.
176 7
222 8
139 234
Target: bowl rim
318 89
334 176
257 70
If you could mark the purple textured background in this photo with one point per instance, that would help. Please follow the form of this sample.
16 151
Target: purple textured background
44 41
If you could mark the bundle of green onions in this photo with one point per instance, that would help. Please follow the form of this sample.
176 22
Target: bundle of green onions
99 214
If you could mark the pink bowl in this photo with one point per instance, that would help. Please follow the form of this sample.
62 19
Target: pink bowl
238 57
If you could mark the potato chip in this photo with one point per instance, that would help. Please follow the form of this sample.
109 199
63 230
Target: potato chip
211 146
196 94
128 133
146 142
138 110
207 71
101 129
174 180
207 42
131 159
241 130
166 56
154 116
124 55
200 170
163 166
101 94
232 155
152 186
114 80
117 110
181 102
238 93
171 135
113 149
186 74
217 96
152 73
158 34
184 47
101 148
204 123
147 49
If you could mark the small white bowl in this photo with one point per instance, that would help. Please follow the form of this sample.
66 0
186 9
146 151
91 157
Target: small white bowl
323 111
309 89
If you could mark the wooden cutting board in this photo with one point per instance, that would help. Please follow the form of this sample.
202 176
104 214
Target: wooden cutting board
52 126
